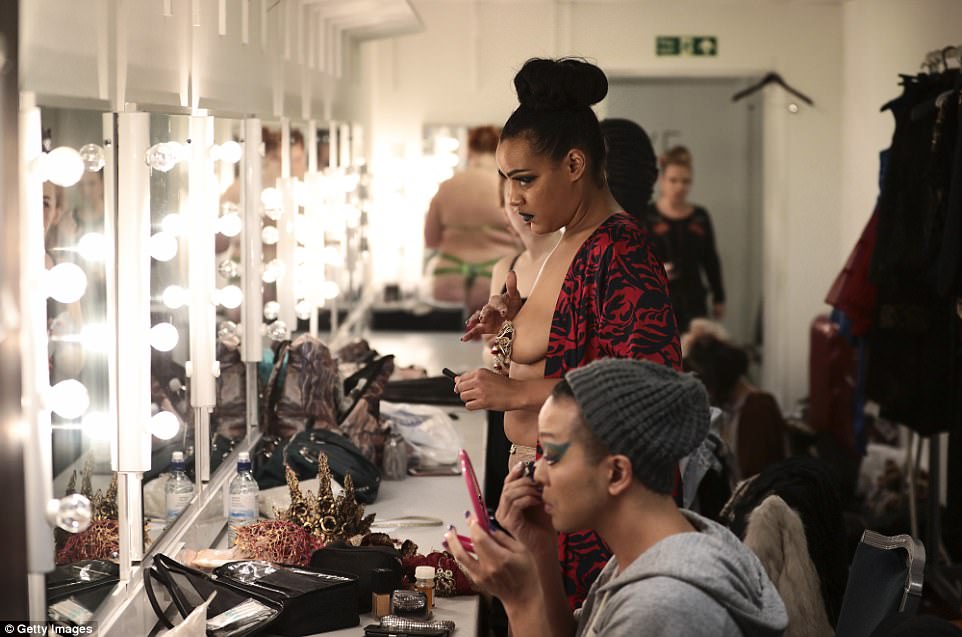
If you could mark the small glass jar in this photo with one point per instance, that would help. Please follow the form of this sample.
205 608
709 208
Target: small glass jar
424 582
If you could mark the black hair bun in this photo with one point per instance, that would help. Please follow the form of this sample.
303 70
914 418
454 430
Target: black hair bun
556 85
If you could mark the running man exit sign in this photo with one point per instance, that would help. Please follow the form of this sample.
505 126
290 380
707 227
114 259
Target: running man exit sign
694 45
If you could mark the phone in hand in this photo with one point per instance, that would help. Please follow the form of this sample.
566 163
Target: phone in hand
449 373
484 518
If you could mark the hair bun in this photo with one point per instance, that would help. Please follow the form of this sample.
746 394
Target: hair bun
565 84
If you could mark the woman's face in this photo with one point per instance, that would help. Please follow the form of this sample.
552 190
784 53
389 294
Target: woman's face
540 191
517 224
675 183
51 205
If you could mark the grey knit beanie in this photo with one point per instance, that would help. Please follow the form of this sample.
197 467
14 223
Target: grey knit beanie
648 412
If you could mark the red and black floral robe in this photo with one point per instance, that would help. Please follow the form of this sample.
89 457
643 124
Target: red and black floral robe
614 303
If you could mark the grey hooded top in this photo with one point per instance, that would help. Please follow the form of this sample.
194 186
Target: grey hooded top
687 585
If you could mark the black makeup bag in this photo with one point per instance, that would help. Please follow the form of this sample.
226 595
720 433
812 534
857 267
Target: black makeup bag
360 561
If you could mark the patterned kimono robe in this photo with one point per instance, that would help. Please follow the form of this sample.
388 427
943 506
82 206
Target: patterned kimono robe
614 303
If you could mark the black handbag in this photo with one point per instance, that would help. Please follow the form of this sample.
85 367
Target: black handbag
293 601
301 453
360 561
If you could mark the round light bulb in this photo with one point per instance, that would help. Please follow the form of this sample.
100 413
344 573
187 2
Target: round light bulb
173 224
302 309
64 166
66 282
175 297
227 331
231 152
163 246
164 337
332 255
97 425
164 156
92 156
274 214
164 425
329 289
230 296
92 246
69 399
271 198
230 225
272 309
277 331
270 235
72 513
229 269
95 337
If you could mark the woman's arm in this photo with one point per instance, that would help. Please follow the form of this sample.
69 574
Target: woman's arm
712 264
485 389
433 228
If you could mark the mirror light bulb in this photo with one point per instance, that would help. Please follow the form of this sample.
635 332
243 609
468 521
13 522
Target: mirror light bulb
230 296
92 156
231 152
92 246
165 155
66 282
271 198
164 337
97 426
302 309
270 235
162 246
272 309
175 297
277 331
164 425
72 513
229 269
228 333
64 166
69 399
329 289
230 225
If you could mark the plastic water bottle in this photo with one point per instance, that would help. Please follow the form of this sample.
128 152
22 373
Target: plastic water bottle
243 498
179 489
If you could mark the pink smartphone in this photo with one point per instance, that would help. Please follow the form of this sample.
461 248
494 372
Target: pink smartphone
474 491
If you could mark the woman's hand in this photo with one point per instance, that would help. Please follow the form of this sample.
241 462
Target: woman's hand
718 311
521 511
500 308
485 389
501 566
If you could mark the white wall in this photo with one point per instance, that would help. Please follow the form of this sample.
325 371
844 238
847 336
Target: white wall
459 70
882 38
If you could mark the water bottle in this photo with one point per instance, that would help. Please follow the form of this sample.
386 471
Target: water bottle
242 509
179 489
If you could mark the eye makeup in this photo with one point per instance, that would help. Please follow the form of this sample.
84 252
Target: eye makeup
553 453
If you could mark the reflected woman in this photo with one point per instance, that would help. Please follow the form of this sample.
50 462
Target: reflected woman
602 292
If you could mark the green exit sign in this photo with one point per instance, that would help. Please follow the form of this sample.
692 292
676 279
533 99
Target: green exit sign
694 45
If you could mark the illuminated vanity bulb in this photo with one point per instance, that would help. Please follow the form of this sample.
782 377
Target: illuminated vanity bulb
231 152
66 282
277 331
271 198
270 235
303 309
95 337
229 269
173 224
329 289
230 225
69 399
175 297
64 166
227 332
230 296
272 309
332 255
300 193
92 246
163 246
164 337
164 425
92 156
165 155
273 271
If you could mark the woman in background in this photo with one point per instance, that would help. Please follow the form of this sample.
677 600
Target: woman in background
467 227
685 241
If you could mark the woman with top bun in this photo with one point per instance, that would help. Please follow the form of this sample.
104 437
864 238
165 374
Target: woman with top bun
602 292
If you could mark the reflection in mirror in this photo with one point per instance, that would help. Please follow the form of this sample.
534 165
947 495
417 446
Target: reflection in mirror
273 200
228 421
76 248
169 484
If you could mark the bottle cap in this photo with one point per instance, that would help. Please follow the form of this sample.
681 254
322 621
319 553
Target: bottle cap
424 572
382 581
177 456
244 456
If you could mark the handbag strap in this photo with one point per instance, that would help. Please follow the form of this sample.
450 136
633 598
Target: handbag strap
270 391
150 574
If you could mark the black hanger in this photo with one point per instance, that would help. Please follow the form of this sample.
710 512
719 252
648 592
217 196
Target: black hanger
765 81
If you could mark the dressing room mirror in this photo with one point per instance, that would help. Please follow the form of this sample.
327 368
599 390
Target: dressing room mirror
79 346
172 423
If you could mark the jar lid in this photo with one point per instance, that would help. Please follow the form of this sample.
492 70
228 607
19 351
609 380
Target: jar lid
424 572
